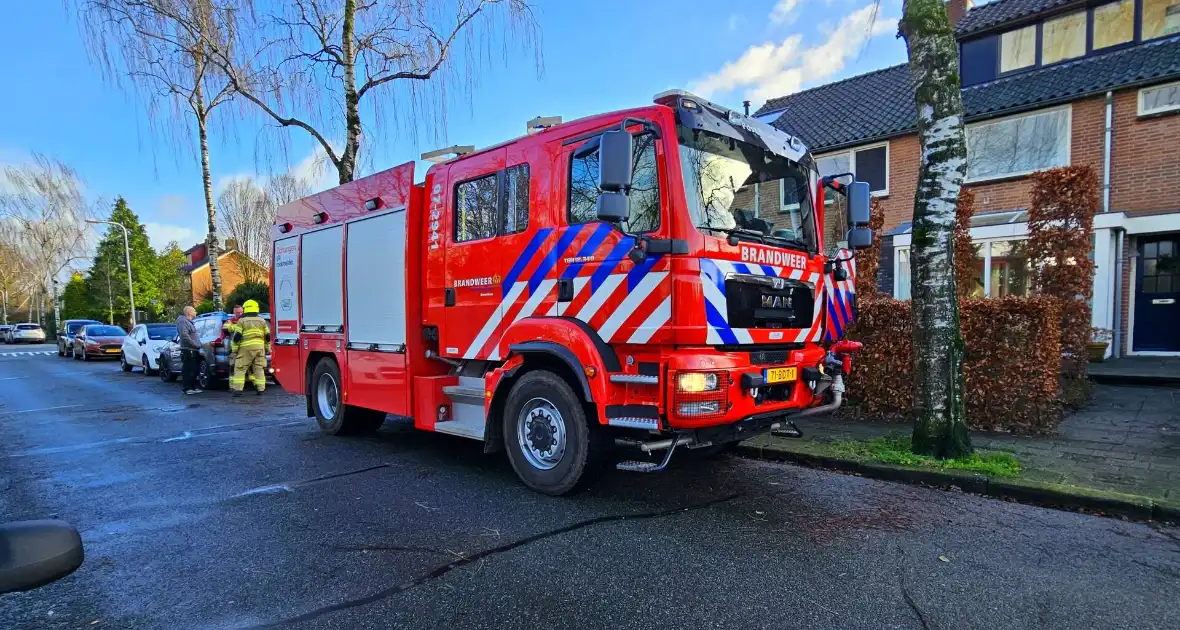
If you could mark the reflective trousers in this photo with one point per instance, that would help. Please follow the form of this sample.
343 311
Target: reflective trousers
251 360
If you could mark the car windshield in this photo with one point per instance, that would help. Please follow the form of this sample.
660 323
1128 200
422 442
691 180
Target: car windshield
105 331
745 191
161 333
28 327
73 327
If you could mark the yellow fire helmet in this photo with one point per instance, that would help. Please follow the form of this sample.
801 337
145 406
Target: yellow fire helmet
250 307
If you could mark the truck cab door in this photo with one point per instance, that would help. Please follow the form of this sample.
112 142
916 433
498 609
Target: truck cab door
470 225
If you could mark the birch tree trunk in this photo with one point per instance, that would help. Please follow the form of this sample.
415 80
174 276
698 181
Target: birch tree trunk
211 242
940 427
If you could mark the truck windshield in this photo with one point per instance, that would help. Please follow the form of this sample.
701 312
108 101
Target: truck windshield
720 177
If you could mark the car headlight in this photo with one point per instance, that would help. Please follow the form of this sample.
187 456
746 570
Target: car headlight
696 382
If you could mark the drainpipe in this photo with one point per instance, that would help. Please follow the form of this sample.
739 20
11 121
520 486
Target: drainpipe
758 199
1117 338
1106 146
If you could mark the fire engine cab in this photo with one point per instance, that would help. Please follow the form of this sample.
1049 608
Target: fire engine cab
594 288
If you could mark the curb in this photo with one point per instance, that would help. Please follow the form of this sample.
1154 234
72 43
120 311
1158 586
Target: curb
1132 507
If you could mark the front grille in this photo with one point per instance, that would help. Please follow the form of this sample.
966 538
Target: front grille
768 302
766 357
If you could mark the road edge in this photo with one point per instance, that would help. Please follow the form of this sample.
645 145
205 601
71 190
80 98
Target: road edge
1057 496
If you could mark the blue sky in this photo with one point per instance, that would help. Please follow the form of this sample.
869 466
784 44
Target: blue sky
598 56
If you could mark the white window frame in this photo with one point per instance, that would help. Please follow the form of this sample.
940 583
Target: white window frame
851 153
897 272
987 261
1068 109
1158 110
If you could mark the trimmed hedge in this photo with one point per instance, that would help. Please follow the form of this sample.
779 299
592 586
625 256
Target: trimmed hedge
1011 367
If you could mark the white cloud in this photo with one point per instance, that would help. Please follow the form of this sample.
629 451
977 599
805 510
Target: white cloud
315 169
784 12
160 234
770 70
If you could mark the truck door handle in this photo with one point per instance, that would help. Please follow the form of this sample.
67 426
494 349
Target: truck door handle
448 297
565 290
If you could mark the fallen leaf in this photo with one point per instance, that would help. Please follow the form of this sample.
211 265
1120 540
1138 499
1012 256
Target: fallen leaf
944 558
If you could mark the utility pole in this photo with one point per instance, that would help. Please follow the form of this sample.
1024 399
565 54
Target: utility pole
127 253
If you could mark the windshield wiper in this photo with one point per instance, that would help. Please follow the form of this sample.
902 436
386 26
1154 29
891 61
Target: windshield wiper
733 233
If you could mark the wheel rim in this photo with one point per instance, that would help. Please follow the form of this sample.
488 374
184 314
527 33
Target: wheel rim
202 376
122 361
164 371
540 431
327 396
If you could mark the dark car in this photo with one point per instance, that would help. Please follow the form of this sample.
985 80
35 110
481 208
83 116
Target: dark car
214 368
98 341
65 336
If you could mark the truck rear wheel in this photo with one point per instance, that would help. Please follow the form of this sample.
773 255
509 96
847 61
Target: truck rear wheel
552 447
334 417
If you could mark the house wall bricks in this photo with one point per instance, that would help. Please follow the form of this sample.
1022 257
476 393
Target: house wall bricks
233 272
1144 168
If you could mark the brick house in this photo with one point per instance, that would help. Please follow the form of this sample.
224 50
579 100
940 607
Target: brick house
235 268
1046 83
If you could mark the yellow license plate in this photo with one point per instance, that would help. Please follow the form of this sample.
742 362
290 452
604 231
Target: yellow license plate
781 375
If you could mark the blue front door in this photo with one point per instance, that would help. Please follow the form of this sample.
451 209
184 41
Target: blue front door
1157 295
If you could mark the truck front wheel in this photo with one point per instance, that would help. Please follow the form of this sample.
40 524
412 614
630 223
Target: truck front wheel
552 447
334 417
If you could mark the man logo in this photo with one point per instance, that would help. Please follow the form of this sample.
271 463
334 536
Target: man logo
776 301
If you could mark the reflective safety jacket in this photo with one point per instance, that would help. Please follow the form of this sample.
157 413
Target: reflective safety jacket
251 332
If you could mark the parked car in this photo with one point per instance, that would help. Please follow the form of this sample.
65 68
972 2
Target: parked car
4 330
98 341
214 369
65 336
26 333
141 346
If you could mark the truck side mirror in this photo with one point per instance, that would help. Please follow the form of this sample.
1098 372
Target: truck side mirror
860 238
614 157
858 204
612 207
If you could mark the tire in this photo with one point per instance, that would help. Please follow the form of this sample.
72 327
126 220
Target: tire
166 373
337 418
542 395
147 366
123 364
61 350
204 379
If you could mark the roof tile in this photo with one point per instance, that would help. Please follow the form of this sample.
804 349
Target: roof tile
1004 11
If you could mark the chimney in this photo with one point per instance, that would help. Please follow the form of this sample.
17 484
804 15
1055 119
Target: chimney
956 9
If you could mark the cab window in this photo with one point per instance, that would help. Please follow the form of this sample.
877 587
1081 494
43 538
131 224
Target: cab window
493 204
644 196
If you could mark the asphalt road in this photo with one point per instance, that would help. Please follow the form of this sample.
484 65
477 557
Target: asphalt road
208 513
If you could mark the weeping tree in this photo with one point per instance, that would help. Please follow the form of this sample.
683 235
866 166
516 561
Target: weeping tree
940 419
323 65
163 47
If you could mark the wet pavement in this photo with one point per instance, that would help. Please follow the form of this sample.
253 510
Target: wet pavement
208 513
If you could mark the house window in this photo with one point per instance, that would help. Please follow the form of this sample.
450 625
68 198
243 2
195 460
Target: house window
1001 270
868 164
1018 145
1160 17
1114 24
1063 38
1018 48
1158 99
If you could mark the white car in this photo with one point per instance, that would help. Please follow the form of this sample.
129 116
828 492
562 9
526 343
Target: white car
27 333
141 347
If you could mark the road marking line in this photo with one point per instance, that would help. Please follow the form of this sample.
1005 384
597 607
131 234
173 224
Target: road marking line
187 435
9 413
12 378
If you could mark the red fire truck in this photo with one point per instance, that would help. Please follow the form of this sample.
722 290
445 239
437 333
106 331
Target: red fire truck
593 287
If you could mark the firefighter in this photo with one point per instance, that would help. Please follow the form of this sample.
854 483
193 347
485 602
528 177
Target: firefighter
228 329
252 340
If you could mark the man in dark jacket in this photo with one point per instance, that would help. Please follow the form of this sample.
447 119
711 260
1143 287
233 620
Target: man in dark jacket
190 350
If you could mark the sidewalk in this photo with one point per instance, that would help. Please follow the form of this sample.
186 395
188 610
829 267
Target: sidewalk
1126 441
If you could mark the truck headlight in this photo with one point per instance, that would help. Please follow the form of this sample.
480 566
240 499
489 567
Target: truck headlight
696 382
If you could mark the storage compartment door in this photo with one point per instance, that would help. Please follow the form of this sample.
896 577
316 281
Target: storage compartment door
377 282
321 282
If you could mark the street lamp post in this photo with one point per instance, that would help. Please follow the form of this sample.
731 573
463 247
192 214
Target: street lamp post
127 253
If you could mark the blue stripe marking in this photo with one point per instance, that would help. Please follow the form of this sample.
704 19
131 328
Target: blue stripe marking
845 312
639 271
834 322
588 249
523 261
718 322
714 273
612 260
550 260
741 268
768 270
